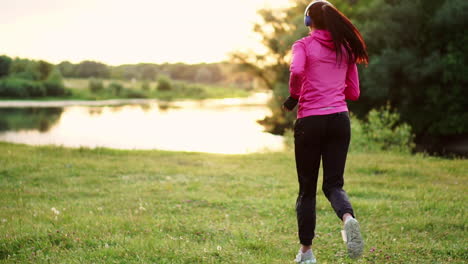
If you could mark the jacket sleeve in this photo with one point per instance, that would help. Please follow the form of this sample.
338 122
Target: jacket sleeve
352 90
297 69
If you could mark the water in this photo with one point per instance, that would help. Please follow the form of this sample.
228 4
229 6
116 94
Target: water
216 126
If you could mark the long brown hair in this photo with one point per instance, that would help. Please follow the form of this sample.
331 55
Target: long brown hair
344 33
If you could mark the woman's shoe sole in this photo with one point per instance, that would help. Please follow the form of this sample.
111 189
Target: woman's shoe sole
354 240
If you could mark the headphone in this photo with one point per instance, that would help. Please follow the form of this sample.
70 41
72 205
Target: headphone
308 19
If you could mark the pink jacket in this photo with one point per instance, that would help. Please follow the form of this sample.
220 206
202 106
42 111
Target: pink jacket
316 79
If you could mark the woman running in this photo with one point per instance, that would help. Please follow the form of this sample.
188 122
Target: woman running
323 75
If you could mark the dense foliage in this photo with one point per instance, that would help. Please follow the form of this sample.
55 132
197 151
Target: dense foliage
382 130
418 61
22 78
5 63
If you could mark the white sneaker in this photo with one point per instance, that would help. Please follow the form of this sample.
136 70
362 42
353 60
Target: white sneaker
354 241
305 258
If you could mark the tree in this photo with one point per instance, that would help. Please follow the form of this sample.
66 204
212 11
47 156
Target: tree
164 83
419 64
86 69
24 69
67 68
44 69
5 63
203 75
148 71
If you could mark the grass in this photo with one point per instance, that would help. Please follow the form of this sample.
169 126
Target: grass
173 207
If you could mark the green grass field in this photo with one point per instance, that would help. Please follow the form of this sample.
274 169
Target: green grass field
61 205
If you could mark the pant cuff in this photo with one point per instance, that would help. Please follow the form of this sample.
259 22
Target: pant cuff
346 212
306 242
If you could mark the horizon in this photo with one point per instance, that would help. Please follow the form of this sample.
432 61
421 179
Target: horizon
119 32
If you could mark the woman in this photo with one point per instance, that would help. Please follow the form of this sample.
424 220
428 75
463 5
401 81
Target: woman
323 75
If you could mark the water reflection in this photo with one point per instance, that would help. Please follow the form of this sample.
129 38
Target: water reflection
15 119
216 126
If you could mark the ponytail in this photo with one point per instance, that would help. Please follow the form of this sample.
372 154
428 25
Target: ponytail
344 33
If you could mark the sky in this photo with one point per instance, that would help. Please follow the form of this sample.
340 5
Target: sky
132 31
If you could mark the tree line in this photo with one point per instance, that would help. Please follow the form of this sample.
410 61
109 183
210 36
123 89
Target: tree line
195 73
25 78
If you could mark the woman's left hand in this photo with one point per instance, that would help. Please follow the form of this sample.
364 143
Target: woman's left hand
289 104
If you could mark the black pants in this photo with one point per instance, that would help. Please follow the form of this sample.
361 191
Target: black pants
326 138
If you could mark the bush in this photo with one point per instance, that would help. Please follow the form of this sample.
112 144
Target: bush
54 84
192 90
35 89
19 88
145 86
131 93
164 84
95 85
13 87
359 141
54 88
115 88
381 131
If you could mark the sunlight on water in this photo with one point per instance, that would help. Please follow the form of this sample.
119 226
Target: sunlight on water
217 126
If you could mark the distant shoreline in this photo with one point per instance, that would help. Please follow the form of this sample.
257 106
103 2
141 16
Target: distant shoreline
258 98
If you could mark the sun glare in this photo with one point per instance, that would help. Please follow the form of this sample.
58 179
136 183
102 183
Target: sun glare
117 32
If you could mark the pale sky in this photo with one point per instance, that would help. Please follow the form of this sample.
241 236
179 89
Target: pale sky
131 31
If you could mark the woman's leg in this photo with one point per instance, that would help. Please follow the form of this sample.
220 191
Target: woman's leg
335 150
308 133
334 158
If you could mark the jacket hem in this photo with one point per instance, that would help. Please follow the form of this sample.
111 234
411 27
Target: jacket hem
322 111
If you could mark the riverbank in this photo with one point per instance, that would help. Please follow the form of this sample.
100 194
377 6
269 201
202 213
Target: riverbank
136 89
78 90
104 206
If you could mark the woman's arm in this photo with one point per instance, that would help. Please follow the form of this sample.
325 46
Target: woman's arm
352 83
297 69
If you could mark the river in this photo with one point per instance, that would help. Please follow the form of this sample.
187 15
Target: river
227 126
